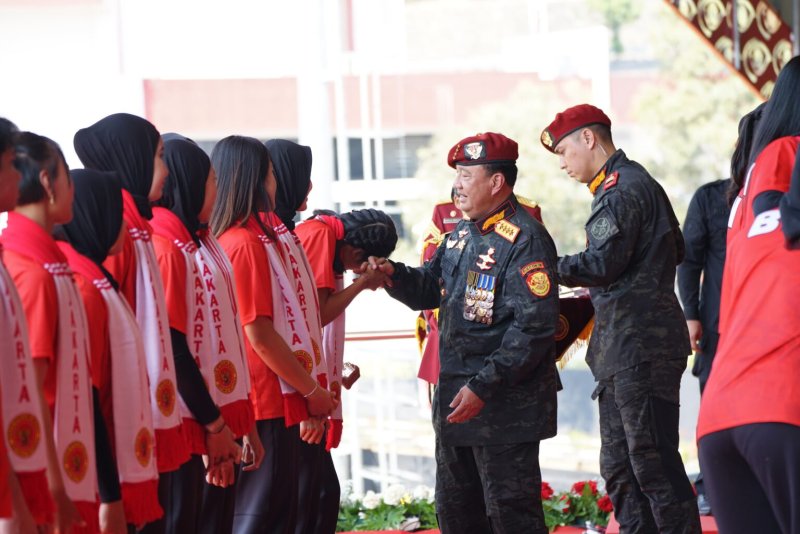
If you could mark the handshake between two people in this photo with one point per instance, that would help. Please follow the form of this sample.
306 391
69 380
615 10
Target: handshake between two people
375 273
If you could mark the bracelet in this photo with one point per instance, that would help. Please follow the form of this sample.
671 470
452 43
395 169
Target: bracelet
220 429
316 387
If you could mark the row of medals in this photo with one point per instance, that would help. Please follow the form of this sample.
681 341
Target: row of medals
478 302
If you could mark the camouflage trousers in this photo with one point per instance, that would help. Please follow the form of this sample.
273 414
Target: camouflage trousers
639 458
494 489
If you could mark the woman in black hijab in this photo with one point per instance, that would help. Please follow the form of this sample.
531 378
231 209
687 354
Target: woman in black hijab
130 146
291 164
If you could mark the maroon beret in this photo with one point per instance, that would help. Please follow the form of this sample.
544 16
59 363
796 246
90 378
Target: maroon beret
483 148
570 120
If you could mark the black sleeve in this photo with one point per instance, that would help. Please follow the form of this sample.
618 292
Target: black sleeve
418 288
191 385
790 210
612 232
696 238
107 475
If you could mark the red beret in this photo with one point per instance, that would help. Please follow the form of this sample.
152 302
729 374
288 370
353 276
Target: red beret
483 148
570 120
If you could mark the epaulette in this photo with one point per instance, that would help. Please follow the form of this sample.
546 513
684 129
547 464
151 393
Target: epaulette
527 202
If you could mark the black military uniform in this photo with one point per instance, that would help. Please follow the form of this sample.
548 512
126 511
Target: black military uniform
639 346
493 281
705 233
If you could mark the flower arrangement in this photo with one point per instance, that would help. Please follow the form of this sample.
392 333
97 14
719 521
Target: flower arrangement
583 504
394 509
399 509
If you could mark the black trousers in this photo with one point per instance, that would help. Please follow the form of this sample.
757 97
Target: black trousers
319 492
639 458
266 499
494 489
180 493
753 476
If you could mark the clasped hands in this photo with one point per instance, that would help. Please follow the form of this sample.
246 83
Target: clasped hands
224 452
375 273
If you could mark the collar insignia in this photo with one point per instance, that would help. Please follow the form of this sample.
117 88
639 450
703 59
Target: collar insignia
611 181
594 184
493 219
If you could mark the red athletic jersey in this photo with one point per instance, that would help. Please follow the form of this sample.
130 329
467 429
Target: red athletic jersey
754 376
251 275
172 265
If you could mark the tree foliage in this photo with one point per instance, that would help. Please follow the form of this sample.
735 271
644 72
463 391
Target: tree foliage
616 13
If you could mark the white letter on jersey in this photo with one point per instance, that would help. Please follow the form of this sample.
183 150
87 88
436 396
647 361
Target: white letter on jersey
765 223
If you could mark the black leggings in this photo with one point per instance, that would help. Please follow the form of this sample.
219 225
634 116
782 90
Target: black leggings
753 477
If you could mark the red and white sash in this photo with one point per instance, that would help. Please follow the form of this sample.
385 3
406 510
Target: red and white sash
133 429
73 416
306 288
22 407
289 322
151 314
333 343
221 351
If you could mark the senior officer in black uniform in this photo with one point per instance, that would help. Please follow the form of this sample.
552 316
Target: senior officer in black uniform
493 281
640 343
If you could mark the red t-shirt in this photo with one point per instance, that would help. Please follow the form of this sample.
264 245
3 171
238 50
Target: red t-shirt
172 264
755 370
319 242
251 273
37 291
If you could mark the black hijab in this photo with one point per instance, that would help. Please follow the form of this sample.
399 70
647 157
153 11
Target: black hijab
291 164
125 144
185 188
96 214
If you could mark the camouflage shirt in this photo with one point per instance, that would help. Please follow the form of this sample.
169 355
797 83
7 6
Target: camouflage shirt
494 283
634 244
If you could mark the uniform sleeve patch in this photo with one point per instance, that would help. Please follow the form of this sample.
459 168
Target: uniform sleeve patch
601 227
507 231
538 283
532 266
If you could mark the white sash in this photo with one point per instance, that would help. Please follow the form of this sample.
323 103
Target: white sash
221 349
151 314
74 420
22 408
306 288
133 418
288 318
333 341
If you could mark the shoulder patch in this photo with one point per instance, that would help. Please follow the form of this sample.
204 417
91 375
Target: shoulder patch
611 181
507 231
532 266
538 283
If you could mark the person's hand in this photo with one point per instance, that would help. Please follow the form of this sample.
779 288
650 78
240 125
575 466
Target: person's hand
112 518
695 333
321 401
383 265
220 443
373 279
466 405
66 514
221 475
312 429
255 451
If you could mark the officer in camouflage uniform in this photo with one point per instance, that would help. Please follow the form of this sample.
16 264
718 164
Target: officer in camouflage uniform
493 280
639 346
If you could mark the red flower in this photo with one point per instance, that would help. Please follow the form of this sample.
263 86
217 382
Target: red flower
604 503
578 486
567 502
547 491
